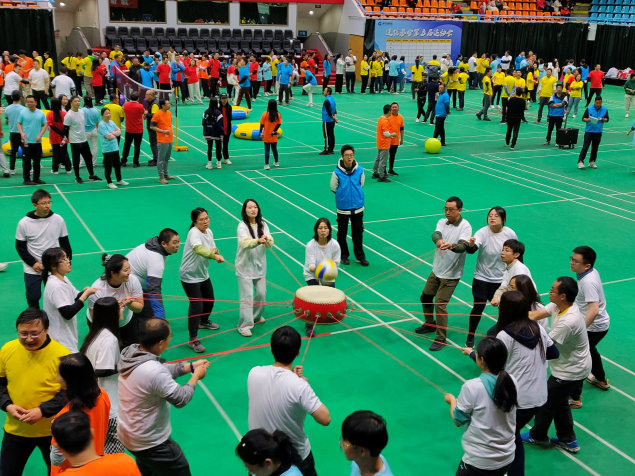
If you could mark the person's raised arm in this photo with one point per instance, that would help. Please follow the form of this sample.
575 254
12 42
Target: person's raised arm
322 415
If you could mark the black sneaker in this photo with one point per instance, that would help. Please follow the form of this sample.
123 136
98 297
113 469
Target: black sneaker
437 345
79 180
375 176
152 163
331 152
363 261
208 325
28 182
479 117
487 119
324 152
345 261
135 165
124 163
392 172
426 328
94 178
40 182
384 179
469 342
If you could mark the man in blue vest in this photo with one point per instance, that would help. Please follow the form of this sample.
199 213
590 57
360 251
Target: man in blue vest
595 116
329 118
557 106
346 183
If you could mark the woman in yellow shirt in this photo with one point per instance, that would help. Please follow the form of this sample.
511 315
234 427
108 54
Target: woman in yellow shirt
497 80
576 94
460 87
364 73
416 77
72 64
530 87
376 74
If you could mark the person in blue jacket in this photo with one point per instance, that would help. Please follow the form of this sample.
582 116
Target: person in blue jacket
329 119
147 75
326 71
557 106
441 112
178 78
346 183
265 453
595 116
285 70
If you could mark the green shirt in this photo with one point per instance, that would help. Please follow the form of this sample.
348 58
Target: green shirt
630 84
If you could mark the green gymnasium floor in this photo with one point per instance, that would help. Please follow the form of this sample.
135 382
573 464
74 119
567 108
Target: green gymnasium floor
551 205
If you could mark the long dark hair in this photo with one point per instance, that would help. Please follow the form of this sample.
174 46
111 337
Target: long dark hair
95 64
259 445
513 316
82 389
195 214
259 221
105 316
494 354
526 287
112 264
272 109
50 258
317 225
56 107
213 106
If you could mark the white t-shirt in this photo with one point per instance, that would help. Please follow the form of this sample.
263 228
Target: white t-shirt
280 400
38 79
447 264
590 290
59 294
63 85
529 368
144 263
516 269
350 63
195 268
488 440
569 333
40 234
315 253
132 289
489 266
251 263
103 353
11 83
471 64
77 123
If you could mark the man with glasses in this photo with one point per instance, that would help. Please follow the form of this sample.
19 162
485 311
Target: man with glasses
451 238
29 391
38 231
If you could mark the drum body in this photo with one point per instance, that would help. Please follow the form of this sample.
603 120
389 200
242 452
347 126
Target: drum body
320 304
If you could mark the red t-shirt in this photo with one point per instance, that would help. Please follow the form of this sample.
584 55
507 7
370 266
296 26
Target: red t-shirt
253 71
192 76
595 77
311 64
164 70
214 68
98 75
133 112
54 137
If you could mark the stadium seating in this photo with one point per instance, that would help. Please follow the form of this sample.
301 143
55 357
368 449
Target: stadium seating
612 11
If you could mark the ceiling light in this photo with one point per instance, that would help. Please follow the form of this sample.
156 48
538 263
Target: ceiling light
62 4
310 12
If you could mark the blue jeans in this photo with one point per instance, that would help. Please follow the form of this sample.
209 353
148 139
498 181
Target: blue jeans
274 148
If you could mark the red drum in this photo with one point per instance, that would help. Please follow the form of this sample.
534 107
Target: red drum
321 304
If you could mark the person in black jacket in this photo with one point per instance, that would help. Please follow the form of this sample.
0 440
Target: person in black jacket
422 92
151 105
135 70
213 131
515 113
433 89
226 110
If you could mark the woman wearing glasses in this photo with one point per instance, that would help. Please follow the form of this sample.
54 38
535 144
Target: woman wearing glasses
62 301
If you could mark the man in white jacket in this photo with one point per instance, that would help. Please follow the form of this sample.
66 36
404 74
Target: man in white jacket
146 391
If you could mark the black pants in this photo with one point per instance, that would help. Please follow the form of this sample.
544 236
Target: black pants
325 82
586 90
597 369
268 83
82 150
210 149
16 142
523 416
185 93
273 146
111 161
225 139
461 99
60 157
532 95
497 91
556 409
100 93
391 156
255 89
465 469
164 86
557 123
328 131
421 102
593 140
205 87
350 81
78 82
199 310
482 291
31 155
513 126
307 467
339 80
453 96
213 87
593 91
430 112
504 109
364 83
391 87
414 87
33 285
439 129
129 333
152 138
166 459
17 449
283 90
372 85
131 137
357 232
541 104
42 99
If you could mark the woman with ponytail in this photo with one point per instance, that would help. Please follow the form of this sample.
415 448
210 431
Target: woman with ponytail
62 301
118 282
487 405
265 454
194 273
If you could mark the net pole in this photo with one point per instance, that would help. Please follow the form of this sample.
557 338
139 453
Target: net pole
176 146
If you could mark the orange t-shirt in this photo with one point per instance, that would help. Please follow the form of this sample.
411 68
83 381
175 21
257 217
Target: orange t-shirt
383 125
119 464
202 73
164 122
27 66
304 65
99 416
396 124
8 68
269 127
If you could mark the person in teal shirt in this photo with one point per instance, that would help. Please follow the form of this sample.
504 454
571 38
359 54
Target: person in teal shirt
364 437
393 74
12 114
401 74
91 118
267 454
32 125
108 133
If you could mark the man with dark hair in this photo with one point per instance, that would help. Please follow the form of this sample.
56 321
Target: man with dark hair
280 396
512 255
151 106
397 126
30 393
134 113
75 131
74 439
441 111
226 110
12 114
38 231
595 117
32 125
592 305
329 119
451 237
515 114
569 333
146 391
346 183
162 124
364 436
384 134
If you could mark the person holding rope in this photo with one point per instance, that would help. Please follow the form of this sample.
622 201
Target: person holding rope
199 249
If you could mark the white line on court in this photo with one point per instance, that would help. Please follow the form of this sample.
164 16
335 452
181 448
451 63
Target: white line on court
81 220
220 409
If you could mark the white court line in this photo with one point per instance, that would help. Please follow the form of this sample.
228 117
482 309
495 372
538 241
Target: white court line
391 323
616 364
220 409
121 187
73 182
92 235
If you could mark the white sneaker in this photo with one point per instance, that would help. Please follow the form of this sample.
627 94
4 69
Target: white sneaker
624 116
122 182
417 119
112 185
209 165
54 173
574 116
227 162
245 332
592 165
11 172
3 266
218 165
267 167
310 105
581 165
276 164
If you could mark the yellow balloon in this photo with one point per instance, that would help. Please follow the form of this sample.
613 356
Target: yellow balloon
249 131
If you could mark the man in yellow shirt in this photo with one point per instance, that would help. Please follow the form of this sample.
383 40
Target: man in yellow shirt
116 111
115 52
481 64
87 73
461 86
547 87
509 86
488 91
29 391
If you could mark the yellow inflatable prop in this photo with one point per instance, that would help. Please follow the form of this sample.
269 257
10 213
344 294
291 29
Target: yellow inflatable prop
239 112
47 150
249 131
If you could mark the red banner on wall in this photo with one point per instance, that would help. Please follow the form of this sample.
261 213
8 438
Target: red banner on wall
123 3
